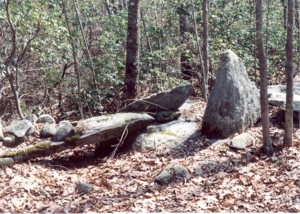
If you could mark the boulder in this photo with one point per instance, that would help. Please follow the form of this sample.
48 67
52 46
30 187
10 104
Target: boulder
166 136
104 128
169 100
240 142
45 118
49 130
19 128
277 97
171 173
32 118
65 129
234 104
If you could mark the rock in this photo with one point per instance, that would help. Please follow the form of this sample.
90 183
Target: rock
234 104
32 118
65 129
171 173
13 141
19 128
44 193
49 130
165 136
282 89
6 161
45 118
105 128
165 116
164 101
84 187
240 141
277 97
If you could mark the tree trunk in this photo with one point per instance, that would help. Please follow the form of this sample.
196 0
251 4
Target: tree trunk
133 48
297 23
200 59
288 131
205 4
261 55
186 68
75 58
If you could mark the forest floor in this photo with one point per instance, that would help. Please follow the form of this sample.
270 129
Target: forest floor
222 179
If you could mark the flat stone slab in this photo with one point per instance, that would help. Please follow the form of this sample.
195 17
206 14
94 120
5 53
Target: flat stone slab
169 100
166 136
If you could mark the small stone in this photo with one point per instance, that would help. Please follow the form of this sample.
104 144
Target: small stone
84 187
19 128
65 129
49 130
13 141
172 172
240 141
6 161
44 193
32 118
45 118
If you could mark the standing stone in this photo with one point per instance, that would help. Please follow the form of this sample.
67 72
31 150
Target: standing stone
234 104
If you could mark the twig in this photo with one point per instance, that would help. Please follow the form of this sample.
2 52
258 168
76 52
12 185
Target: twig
121 141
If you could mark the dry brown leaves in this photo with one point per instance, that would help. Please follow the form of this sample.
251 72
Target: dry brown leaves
222 180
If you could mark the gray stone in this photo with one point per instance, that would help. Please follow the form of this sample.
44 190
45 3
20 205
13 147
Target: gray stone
165 136
44 193
84 187
240 141
13 141
282 88
32 118
234 104
49 130
164 101
6 161
45 118
105 128
277 97
165 116
65 129
171 173
19 128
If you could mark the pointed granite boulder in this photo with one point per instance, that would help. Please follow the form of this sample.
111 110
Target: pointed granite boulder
234 104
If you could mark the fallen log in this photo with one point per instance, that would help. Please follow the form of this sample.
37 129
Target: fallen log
91 131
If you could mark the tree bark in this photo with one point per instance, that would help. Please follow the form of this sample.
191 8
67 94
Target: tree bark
75 58
297 24
133 49
200 58
205 4
186 68
288 131
261 55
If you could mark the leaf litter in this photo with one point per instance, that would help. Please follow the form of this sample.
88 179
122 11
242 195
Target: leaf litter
222 180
